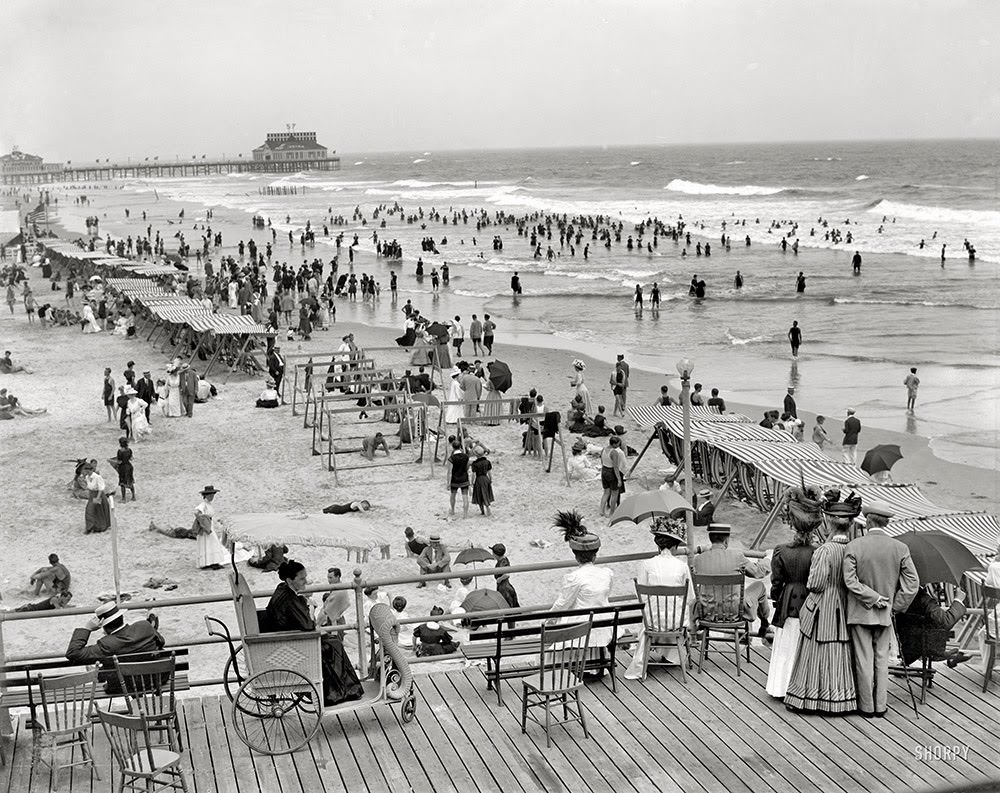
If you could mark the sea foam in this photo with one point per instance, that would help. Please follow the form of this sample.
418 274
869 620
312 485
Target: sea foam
697 188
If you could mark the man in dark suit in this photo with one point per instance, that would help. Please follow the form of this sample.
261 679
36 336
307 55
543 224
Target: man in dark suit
189 389
880 579
789 405
120 638
146 391
276 368
852 429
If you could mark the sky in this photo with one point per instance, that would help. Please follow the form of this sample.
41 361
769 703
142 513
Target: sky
82 79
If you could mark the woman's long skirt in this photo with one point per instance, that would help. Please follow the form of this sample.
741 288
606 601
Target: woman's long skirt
783 652
823 678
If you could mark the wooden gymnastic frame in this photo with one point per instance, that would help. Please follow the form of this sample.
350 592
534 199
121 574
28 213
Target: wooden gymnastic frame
326 359
330 408
366 381
513 415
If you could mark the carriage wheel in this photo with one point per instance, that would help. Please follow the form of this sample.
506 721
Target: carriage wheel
234 675
409 707
277 712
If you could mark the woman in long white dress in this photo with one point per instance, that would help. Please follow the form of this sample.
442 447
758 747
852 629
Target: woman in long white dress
232 294
576 380
88 319
136 410
172 404
453 412
211 552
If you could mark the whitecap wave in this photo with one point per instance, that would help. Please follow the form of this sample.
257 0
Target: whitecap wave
419 160
737 340
697 188
933 214
861 177
635 162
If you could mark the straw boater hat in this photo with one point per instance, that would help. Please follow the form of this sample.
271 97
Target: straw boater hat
575 533
579 365
210 490
129 391
669 527
107 614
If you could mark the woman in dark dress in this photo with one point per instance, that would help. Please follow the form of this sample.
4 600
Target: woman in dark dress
482 485
289 611
458 476
126 474
789 574
432 638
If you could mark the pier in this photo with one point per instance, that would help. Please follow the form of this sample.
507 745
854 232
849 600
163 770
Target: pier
49 173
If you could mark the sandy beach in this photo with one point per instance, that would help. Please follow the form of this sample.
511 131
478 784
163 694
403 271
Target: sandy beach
261 461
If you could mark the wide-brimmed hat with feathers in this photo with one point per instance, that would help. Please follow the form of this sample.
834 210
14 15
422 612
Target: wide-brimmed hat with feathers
574 532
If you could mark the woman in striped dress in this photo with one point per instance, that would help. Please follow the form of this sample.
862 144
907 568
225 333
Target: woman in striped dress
823 675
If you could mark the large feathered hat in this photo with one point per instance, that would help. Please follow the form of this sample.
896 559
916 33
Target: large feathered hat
664 526
575 533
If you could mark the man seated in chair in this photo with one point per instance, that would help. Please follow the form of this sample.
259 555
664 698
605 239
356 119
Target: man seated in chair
664 570
721 560
924 627
120 638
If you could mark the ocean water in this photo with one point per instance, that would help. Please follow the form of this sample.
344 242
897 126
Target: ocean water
861 333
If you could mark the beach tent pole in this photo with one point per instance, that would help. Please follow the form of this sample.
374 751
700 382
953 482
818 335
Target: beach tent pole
656 434
725 488
114 550
771 517
211 361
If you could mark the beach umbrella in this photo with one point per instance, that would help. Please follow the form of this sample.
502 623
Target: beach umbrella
650 504
427 398
473 555
484 600
500 376
881 458
939 557
438 331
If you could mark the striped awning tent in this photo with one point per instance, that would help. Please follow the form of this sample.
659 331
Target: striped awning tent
135 286
815 473
714 431
156 269
169 299
228 325
906 500
751 452
978 531
178 316
648 415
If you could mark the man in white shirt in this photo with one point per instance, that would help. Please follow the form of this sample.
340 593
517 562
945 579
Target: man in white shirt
664 570
457 335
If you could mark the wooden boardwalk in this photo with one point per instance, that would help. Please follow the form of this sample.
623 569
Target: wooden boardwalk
718 733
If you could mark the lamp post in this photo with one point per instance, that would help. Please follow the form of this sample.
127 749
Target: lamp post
684 368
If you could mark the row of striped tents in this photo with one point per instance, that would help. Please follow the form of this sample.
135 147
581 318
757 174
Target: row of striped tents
815 473
713 432
977 530
750 452
648 415
168 299
178 315
907 501
155 269
134 286
227 324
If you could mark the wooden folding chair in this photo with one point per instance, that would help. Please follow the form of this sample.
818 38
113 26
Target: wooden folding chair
142 766
67 703
148 687
664 622
719 607
560 677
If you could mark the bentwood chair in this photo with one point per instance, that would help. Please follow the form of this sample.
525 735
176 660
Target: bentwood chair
148 687
141 765
991 614
719 611
67 704
560 678
664 623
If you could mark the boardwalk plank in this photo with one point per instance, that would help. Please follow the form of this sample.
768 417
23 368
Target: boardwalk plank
553 768
200 750
267 777
337 755
479 746
881 759
388 738
451 745
230 776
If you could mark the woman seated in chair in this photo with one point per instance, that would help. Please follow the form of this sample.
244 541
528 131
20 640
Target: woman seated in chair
289 611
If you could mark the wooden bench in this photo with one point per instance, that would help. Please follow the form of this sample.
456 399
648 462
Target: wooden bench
490 641
20 681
